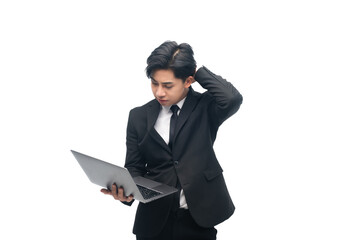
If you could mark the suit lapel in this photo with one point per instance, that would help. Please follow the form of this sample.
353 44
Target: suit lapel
187 109
152 116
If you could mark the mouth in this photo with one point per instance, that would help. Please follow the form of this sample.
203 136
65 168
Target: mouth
162 101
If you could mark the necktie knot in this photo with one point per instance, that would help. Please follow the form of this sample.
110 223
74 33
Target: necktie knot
174 109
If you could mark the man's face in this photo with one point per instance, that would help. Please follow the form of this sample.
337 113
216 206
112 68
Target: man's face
168 89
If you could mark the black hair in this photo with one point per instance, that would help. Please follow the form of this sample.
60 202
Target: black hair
170 55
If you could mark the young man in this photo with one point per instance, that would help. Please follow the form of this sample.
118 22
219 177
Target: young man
170 140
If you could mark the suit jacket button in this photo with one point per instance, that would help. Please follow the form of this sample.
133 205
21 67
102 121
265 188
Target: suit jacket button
176 162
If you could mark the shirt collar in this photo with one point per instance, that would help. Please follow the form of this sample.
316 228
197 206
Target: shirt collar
179 104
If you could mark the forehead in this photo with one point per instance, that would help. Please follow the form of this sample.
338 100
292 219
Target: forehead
164 76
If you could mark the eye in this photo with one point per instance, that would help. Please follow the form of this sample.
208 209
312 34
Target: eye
168 87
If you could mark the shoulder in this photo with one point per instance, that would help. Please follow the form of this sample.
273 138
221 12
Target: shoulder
141 112
204 97
198 96
143 108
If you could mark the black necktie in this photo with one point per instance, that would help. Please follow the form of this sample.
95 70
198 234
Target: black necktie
173 123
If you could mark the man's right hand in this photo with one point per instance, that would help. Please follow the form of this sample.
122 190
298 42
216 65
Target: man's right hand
117 193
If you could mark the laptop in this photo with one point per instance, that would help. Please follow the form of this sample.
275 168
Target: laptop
105 174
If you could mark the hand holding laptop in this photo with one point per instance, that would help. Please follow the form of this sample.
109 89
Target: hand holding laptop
106 175
117 193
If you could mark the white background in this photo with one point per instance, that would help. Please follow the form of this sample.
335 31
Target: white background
70 72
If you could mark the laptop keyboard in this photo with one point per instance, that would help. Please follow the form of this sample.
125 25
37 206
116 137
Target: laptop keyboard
147 193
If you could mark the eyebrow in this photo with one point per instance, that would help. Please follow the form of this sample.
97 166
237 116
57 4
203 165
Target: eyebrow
163 83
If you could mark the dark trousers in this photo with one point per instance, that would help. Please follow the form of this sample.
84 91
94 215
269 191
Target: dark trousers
181 226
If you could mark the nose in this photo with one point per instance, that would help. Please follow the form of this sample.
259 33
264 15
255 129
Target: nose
160 92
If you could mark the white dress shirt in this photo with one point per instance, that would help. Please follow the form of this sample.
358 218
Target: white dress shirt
162 127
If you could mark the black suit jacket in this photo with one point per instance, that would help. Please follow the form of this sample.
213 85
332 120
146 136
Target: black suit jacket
192 160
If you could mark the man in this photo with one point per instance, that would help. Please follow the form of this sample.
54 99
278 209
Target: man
170 140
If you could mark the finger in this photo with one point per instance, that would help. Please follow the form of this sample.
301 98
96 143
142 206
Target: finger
114 191
130 198
121 194
106 191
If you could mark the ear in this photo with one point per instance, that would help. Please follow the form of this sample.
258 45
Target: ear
189 81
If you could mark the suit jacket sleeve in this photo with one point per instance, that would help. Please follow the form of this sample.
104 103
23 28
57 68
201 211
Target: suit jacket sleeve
227 98
134 162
